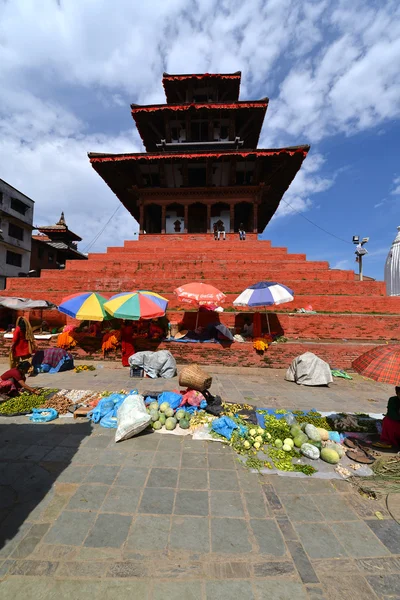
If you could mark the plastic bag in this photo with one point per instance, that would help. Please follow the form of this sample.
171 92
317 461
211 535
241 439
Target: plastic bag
290 419
105 406
110 421
132 417
173 399
193 398
43 415
224 426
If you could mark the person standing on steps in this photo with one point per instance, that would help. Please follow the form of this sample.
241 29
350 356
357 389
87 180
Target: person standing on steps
221 230
242 233
215 230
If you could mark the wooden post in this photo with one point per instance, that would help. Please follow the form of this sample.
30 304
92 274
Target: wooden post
232 218
255 218
186 218
163 218
141 218
208 218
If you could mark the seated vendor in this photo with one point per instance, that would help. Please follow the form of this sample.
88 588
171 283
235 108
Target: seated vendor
52 360
247 330
155 331
390 435
13 381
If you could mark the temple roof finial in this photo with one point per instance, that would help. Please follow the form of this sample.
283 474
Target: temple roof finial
62 220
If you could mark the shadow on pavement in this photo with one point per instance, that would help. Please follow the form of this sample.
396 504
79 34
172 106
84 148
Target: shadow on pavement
32 457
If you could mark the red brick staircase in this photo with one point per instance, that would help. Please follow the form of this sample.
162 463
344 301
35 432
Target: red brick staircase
351 314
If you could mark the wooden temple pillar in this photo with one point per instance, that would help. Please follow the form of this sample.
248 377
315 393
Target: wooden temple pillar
141 218
186 218
255 218
208 218
163 218
231 218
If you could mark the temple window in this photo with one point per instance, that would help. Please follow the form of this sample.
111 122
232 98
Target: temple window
197 175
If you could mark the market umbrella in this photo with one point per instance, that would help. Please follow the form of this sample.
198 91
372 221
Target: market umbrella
199 294
265 293
381 364
87 306
140 304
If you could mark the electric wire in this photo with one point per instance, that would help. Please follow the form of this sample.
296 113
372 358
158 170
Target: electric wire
315 224
97 236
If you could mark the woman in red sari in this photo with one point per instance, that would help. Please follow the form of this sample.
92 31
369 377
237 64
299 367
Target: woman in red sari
127 342
23 344
390 436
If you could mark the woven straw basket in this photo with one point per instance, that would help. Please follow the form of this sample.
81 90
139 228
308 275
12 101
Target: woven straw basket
195 378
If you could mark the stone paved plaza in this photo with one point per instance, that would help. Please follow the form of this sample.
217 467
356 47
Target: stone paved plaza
166 517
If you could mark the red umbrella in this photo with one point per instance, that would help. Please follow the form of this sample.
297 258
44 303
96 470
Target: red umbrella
199 294
381 364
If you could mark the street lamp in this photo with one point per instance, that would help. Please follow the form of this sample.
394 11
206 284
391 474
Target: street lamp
360 252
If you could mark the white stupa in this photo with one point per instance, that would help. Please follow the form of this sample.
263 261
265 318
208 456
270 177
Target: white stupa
392 268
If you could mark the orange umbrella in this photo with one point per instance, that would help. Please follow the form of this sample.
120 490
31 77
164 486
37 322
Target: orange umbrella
199 294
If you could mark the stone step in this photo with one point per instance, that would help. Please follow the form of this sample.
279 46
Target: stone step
321 303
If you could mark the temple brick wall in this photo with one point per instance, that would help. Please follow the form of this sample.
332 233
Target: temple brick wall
352 315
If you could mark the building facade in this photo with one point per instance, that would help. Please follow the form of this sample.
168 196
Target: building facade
16 217
202 163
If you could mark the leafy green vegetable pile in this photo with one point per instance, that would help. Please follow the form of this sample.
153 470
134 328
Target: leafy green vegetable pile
25 402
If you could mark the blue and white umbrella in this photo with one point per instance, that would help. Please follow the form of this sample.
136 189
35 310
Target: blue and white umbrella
265 293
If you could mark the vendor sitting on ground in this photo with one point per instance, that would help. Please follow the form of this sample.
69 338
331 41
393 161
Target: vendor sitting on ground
52 360
12 382
390 435
156 332
247 330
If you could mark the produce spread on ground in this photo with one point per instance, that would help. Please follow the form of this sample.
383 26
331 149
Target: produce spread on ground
264 439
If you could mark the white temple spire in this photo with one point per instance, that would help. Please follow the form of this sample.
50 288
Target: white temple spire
392 268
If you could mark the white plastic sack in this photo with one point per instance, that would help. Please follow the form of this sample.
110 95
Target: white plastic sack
309 369
132 417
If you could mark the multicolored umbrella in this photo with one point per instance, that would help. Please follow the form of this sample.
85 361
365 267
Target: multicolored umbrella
380 364
199 294
88 306
265 293
137 305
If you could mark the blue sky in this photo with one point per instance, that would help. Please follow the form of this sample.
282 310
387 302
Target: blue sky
330 68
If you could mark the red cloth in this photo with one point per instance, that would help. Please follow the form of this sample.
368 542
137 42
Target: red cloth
20 344
13 374
390 432
257 330
127 344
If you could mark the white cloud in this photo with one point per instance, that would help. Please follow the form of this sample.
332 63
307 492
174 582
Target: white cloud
329 68
342 264
396 189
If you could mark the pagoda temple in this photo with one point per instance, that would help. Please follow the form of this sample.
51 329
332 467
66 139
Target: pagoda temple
202 164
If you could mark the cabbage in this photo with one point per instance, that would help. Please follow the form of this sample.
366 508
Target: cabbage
278 443
153 406
170 423
169 412
288 442
162 418
180 414
287 447
184 423
164 407
154 415
157 425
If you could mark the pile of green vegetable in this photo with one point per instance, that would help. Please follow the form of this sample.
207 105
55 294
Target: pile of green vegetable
25 402
165 416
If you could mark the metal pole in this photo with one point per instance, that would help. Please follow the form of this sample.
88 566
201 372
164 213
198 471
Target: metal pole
360 267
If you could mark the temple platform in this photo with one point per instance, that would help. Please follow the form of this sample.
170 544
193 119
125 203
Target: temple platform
351 316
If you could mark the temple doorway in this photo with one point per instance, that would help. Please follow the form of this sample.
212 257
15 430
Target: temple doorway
152 218
197 218
175 218
220 212
244 214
